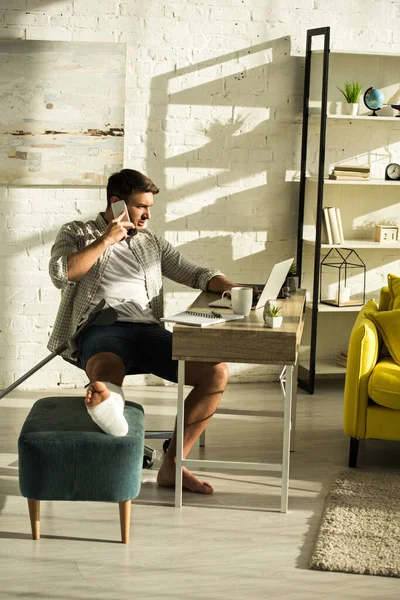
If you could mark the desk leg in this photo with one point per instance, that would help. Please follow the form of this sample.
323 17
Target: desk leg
179 434
286 437
294 408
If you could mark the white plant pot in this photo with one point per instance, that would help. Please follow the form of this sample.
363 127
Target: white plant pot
352 109
273 322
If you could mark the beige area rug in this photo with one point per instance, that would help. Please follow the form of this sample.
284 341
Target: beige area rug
360 528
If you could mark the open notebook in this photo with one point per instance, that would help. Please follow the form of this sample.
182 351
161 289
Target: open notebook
201 319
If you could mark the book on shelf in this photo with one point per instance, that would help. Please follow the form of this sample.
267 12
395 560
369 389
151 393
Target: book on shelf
201 319
347 177
341 173
350 172
336 239
340 226
327 228
356 168
332 226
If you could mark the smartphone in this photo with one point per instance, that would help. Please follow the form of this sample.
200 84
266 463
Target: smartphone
117 208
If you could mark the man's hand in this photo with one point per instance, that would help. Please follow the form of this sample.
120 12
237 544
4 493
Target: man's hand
256 291
221 284
117 230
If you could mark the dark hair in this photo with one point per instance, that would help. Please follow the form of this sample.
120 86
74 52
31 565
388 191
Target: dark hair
128 182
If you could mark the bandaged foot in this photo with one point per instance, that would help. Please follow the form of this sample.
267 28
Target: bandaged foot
105 404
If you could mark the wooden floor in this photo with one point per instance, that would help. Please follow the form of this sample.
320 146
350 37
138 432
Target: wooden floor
235 544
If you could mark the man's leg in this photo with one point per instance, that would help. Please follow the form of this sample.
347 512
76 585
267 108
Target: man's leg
209 381
104 397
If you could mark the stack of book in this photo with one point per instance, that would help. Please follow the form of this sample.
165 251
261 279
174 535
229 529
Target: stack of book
341 359
333 230
350 173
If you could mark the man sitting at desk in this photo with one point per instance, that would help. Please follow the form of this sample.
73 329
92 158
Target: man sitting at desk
118 259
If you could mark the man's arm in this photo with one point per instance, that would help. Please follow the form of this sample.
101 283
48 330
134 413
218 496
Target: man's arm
176 267
182 270
79 263
220 284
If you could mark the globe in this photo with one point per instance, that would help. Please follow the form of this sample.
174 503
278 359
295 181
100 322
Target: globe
373 99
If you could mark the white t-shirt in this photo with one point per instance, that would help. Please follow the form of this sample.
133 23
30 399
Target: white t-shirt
123 286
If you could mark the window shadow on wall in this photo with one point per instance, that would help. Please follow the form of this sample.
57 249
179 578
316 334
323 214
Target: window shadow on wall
227 131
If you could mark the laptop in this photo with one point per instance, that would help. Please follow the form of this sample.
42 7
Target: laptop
270 290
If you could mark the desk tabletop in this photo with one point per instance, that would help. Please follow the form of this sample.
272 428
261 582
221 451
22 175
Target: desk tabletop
246 340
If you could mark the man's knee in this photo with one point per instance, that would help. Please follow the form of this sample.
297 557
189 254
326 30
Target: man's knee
206 374
219 375
222 373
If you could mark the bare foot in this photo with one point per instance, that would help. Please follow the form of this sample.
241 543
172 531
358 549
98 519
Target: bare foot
166 478
96 392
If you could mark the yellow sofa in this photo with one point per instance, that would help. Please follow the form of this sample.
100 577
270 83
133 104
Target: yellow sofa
372 387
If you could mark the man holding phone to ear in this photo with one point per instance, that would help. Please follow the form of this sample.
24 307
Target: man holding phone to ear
116 258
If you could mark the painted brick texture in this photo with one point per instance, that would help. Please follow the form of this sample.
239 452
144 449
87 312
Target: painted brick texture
212 115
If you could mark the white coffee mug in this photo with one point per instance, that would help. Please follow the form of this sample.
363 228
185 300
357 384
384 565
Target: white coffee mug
242 299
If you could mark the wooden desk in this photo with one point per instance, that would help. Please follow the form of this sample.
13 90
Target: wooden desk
244 341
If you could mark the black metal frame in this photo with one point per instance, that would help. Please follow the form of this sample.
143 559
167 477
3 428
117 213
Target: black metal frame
306 377
344 264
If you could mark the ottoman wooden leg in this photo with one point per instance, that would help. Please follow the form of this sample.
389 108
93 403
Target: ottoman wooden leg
34 514
125 519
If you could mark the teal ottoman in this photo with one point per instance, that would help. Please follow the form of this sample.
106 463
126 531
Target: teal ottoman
64 455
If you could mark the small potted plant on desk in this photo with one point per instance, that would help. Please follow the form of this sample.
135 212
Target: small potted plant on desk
351 91
272 316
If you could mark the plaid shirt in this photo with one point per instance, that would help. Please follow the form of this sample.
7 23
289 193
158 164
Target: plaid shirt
157 257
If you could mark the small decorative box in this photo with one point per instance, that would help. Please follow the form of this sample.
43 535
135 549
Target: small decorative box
386 234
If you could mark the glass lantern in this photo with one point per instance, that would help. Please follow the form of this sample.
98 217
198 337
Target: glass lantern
342 278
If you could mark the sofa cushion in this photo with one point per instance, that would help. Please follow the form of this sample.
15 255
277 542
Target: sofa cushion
394 291
388 325
384 384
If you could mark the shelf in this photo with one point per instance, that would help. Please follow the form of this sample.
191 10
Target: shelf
326 367
316 116
359 53
350 244
327 181
358 182
337 309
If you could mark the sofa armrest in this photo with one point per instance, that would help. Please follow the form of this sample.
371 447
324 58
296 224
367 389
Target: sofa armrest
384 299
362 357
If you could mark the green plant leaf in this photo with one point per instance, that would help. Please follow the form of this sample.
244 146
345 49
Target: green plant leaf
273 311
351 91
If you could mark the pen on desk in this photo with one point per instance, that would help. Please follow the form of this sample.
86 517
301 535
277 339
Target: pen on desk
216 314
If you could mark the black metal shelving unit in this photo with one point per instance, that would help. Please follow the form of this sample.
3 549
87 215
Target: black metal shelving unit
318 43
306 376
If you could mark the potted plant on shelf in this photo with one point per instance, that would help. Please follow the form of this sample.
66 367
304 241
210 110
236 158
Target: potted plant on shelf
272 316
293 278
351 91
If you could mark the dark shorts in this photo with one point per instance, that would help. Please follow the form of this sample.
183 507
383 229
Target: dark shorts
143 347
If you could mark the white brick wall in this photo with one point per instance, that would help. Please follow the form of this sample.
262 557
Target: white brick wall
213 102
